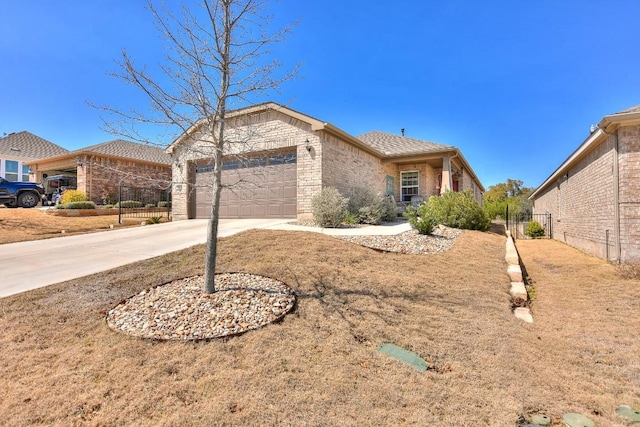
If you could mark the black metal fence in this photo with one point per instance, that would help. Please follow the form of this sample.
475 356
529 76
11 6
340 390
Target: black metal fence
518 225
143 202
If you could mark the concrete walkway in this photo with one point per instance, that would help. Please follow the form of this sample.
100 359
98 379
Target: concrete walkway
35 264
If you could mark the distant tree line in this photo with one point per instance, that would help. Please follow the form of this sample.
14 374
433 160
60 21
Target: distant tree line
512 194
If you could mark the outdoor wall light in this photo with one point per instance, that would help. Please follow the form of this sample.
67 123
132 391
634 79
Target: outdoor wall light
80 162
307 145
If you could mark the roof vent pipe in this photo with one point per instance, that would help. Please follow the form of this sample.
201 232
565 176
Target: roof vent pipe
402 131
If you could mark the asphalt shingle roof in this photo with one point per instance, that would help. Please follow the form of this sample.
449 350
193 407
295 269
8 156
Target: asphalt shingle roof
129 150
635 109
26 144
397 145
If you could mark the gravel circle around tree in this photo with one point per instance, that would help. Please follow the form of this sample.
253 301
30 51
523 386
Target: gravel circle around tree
179 310
410 242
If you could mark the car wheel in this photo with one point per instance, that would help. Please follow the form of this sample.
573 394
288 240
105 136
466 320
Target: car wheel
27 200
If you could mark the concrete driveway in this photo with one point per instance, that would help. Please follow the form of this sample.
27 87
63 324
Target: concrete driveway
30 265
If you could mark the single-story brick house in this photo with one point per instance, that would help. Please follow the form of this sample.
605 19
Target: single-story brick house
594 195
18 149
99 169
286 157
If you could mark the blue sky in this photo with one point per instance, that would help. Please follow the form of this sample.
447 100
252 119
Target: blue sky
514 85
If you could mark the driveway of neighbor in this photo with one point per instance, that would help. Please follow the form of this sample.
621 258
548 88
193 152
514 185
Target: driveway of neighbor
35 264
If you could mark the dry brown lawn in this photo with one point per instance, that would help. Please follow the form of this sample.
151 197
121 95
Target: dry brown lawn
18 225
61 365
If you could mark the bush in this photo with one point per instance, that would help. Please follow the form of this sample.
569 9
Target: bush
371 208
70 196
453 209
329 207
128 204
150 205
421 219
78 205
164 204
534 229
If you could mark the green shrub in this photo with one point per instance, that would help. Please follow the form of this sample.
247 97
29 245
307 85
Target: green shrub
421 219
453 209
128 204
110 198
534 229
150 205
70 196
329 207
107 206
351 219
164 204
78 205
154 220
369 207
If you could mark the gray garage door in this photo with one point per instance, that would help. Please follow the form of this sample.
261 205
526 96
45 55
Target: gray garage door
260 187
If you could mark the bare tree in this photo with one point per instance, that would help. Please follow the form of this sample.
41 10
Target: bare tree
216 60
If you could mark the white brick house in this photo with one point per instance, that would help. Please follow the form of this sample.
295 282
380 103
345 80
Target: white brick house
594 195
286 157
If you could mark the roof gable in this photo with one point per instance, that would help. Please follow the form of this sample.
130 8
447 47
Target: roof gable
25 144
128 150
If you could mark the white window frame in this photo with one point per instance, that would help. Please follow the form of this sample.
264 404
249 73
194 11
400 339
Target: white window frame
25 175
16 173
402 186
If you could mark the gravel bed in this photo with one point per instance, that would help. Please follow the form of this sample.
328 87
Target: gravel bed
181 311
410 242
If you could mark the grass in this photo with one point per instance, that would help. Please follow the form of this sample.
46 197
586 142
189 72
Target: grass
61 365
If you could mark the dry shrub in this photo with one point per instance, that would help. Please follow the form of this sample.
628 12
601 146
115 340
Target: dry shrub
629 271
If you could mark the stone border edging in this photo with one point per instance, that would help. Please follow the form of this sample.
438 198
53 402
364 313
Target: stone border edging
518 291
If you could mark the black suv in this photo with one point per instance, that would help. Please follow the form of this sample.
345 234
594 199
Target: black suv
20 194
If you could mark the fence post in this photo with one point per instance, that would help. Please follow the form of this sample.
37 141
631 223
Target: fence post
120 204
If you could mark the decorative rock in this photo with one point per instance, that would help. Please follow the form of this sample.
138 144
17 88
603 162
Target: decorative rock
577 420
409 242
541 419
403 355
515 273
179 310
628 413
523 313
518 291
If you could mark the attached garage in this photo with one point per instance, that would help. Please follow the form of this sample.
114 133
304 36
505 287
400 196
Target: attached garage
261 186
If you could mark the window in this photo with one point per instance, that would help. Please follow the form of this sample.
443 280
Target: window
409 185
25 173
11 170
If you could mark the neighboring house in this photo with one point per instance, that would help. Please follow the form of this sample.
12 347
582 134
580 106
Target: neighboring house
594 196
100 169
278 159
18 149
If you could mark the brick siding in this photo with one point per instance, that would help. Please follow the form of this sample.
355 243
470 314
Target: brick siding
582 203
100 177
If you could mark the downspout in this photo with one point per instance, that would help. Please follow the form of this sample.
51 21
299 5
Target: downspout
616 194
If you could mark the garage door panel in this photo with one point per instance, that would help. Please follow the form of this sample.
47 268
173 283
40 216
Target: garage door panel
258 192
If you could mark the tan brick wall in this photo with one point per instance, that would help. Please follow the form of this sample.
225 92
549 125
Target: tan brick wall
629 154
100 177
582 204
266 131
346 167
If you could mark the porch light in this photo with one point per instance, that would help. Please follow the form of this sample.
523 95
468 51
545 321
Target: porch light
80 162
307 145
